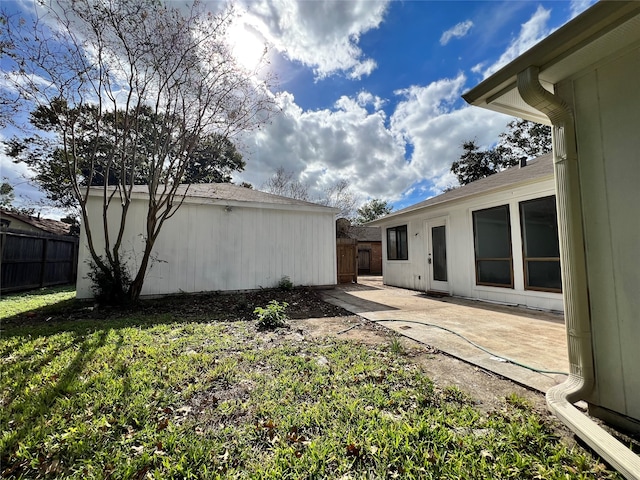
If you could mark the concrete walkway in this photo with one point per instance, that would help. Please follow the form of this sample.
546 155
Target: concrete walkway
536 339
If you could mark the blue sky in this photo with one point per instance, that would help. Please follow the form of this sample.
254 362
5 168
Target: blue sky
369 91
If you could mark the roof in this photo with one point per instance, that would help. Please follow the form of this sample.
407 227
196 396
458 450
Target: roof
536 169
47 225
229 193
603 28
365 234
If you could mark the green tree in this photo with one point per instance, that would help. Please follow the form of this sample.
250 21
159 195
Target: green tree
475 163
212 159
127 92
372 210
6 195
523 140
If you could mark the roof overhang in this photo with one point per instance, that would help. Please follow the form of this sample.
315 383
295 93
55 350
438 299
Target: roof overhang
142 195
608 26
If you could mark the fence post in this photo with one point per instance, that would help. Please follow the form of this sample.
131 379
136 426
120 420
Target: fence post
43 267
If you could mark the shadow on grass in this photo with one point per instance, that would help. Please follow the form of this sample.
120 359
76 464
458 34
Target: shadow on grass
31 411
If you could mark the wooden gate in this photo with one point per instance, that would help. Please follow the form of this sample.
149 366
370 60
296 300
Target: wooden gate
364 261
347 251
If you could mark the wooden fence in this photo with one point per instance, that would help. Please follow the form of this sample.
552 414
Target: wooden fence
33 261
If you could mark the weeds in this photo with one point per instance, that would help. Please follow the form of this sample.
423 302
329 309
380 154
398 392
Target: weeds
285 284
272 316
396 346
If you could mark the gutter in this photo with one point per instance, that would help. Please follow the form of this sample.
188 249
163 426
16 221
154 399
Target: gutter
581 381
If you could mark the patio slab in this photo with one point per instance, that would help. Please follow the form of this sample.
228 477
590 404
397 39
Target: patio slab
527 338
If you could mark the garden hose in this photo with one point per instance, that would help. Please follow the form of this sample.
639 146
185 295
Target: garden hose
480 347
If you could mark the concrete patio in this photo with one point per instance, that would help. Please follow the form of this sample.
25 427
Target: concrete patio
523 336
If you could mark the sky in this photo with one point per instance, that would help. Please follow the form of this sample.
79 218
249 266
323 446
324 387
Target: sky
370 91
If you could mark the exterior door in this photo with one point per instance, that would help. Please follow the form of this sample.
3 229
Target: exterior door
437 270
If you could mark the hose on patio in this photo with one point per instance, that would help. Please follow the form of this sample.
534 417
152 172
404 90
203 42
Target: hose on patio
480 347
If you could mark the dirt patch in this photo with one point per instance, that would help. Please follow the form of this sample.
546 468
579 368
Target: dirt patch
302 303
487 389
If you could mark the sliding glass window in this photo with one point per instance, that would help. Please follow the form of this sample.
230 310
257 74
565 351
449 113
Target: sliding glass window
493 255
540 246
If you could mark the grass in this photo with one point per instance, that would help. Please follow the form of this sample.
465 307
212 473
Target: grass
17 303
161 396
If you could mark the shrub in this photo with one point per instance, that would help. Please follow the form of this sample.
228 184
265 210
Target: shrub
109 287
272 316
285 283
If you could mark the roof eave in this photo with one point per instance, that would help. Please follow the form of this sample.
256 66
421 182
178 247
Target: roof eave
413 211
499 92
204 200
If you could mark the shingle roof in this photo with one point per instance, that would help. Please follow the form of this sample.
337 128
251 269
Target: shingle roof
365 234
536 169
230 192
47 225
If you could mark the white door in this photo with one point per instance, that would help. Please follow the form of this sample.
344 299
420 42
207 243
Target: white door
437 271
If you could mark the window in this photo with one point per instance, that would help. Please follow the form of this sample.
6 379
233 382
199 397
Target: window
540 247
397 243
492 238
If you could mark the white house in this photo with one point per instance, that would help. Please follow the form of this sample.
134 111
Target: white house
584 80
223 237
494 239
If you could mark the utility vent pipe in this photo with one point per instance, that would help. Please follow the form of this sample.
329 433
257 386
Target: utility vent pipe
580 383
523 162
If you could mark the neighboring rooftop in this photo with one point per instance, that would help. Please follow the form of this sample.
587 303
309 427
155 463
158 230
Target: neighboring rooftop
535 169
365 234
46 225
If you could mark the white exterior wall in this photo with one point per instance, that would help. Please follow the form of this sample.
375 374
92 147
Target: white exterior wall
413 273
206 248
606 102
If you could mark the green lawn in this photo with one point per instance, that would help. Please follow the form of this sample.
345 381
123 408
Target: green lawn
152 395
17 303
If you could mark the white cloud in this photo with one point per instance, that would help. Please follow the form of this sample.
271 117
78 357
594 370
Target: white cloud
430 121
579 6
323 146
367 147
531 32
321 35
457 31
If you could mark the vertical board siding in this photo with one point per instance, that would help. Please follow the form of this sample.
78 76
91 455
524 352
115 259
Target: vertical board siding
206 248
413 272
607 119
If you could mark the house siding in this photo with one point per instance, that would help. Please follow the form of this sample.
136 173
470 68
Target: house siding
207 248
606 103
457 217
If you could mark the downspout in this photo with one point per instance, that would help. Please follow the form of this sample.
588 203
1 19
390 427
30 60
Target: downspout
581 382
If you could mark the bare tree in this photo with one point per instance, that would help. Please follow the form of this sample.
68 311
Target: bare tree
340 196
282 183
103 72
